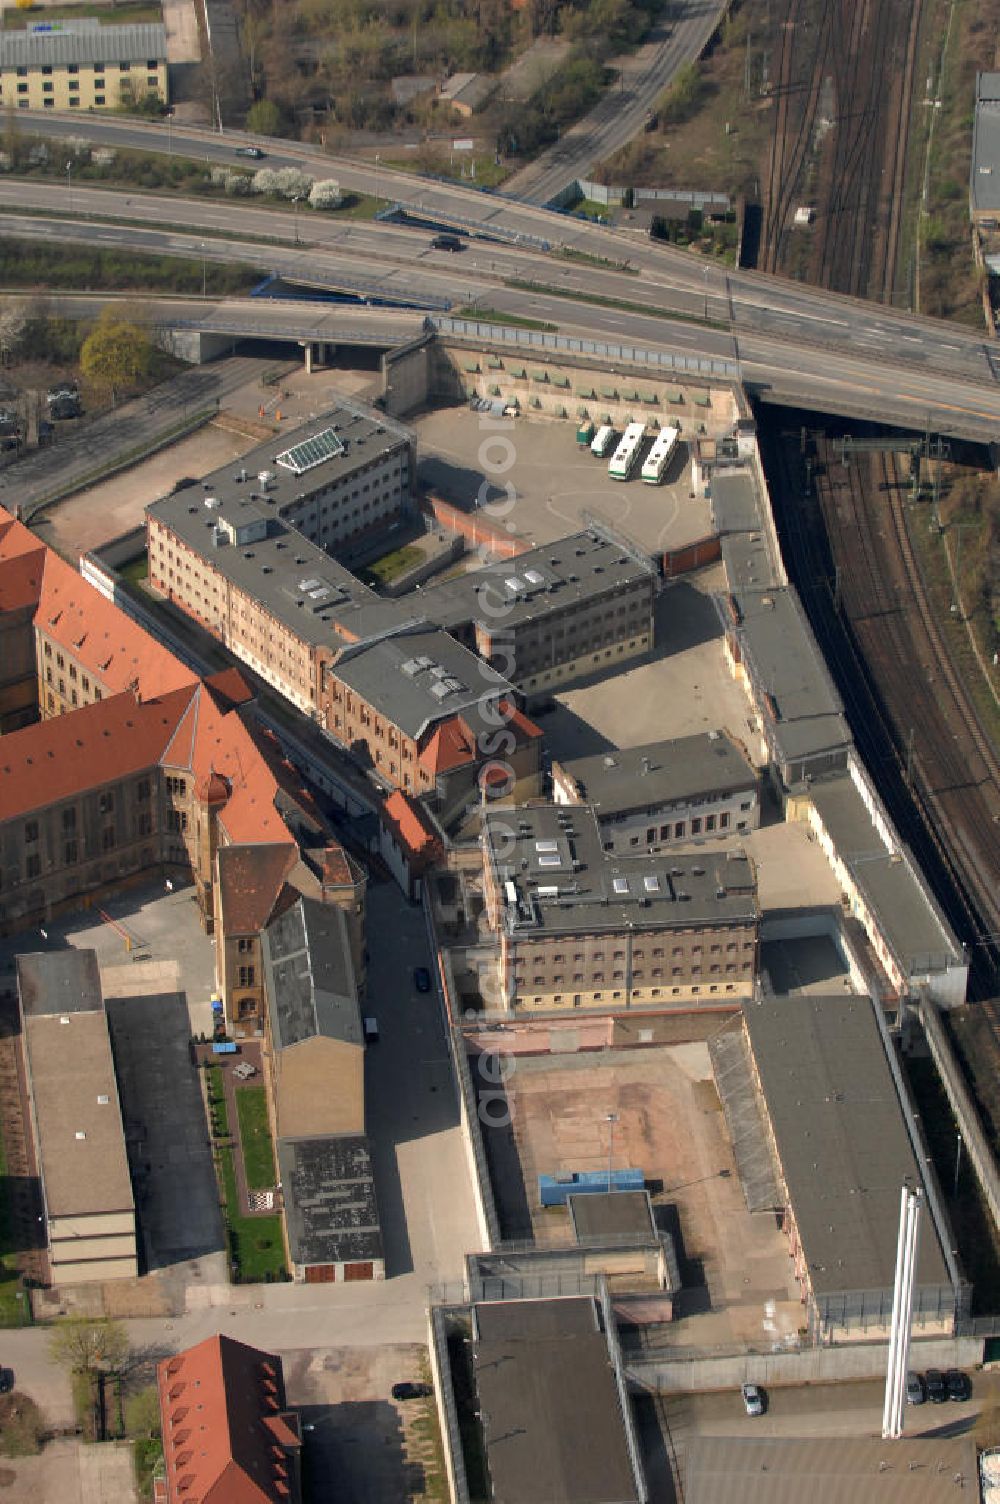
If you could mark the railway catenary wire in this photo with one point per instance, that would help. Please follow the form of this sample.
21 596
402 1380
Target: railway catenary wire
788 150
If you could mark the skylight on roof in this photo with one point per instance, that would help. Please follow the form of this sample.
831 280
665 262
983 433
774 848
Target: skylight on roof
651 883
533 577
547 845
312 452
549 859
620 884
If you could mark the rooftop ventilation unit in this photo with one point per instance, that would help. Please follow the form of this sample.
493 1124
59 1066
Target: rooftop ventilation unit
549 859
411 667
533 577
547 845
548 892
212 502
440 691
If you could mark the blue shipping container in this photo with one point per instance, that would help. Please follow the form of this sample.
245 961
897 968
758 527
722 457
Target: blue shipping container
224 1049
553 1189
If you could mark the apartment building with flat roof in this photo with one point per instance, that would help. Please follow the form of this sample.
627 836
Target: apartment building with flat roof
571 609
75 1121
578 927
664 793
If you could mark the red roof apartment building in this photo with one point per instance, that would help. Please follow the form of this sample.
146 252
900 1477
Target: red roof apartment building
228 1436
139 765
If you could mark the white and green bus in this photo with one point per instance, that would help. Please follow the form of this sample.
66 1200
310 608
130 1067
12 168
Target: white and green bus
626 456
656 461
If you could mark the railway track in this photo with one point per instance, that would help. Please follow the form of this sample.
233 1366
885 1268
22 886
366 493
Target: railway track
793 127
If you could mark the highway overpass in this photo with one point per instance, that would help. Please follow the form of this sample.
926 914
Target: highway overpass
791 342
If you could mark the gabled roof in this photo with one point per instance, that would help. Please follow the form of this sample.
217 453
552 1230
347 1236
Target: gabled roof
61 758
411 827
309 976
115 649
251 878
219 1403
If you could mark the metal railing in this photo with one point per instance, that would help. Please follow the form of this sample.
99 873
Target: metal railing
568 344
621 1382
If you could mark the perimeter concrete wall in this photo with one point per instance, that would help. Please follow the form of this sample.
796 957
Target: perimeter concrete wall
818 1365
406 376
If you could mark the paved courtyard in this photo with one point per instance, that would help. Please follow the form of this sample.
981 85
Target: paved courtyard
556 480
70 1472
735 1266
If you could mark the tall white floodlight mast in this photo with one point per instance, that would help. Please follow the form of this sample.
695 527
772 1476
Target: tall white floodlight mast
902 1312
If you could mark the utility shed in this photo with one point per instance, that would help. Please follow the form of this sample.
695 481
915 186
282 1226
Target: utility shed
77 1138
829 1470
331 1218
844 1145
554 1417
984 183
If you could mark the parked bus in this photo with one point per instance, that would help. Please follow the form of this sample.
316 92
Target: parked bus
602 441
656 462
626 456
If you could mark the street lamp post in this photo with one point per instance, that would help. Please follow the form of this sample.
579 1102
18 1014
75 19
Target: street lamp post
69 185
170 133
377 160
204 271
295 206
611 1118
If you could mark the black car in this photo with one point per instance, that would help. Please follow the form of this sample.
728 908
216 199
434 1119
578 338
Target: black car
937 1390
422 979
410 1391
958 1385
6 1380
251 151
446 243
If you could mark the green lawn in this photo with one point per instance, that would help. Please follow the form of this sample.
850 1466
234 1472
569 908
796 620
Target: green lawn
15 1308
136 569
255 1243
255 1137
391 566
119 14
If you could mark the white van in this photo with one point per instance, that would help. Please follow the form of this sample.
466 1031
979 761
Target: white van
602 442
371 1030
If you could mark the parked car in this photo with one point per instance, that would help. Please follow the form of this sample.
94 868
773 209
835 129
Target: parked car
409 1391
251 151
937 1390
371 1031
422 979
754 1399
958 1385
916 1389
6 1380
446 243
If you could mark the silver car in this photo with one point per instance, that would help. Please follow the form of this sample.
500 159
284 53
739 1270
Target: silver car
753 1399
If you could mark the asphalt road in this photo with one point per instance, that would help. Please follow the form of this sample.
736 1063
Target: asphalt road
678 38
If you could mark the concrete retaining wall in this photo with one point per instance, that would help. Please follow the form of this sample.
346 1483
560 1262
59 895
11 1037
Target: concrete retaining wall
406 376
817 1365
976 1144
474 527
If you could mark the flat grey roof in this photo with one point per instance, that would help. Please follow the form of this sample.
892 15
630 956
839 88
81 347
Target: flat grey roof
61 981
562 881
365 434
748 562
828 1470
419 676
582 567
661 773
294 580
841 1138
76 1114
625 1216
309 977
984 187
328 1189
804 711
550 1406
910 918
83 44
735 503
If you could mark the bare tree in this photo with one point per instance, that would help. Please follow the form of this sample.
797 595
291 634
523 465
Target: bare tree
90 1347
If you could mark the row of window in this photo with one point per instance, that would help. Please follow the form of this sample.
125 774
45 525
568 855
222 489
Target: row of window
638 975
617 997
73 68
638 954
73 87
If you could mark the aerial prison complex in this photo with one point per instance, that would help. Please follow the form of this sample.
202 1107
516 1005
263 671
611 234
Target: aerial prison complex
622 883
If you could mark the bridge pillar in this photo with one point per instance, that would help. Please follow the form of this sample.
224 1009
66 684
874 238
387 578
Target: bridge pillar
308 348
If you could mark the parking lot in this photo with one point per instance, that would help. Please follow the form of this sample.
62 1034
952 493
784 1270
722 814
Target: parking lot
556 480
683 687
360 1444
735 1267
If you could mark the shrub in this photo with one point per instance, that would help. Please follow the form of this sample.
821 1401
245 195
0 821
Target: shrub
325 194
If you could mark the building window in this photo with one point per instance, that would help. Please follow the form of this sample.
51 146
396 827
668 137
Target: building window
98 98
244 945
31 830
69 853
108 838
142 791
696 826
69 819
33 866
247 975
106 802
